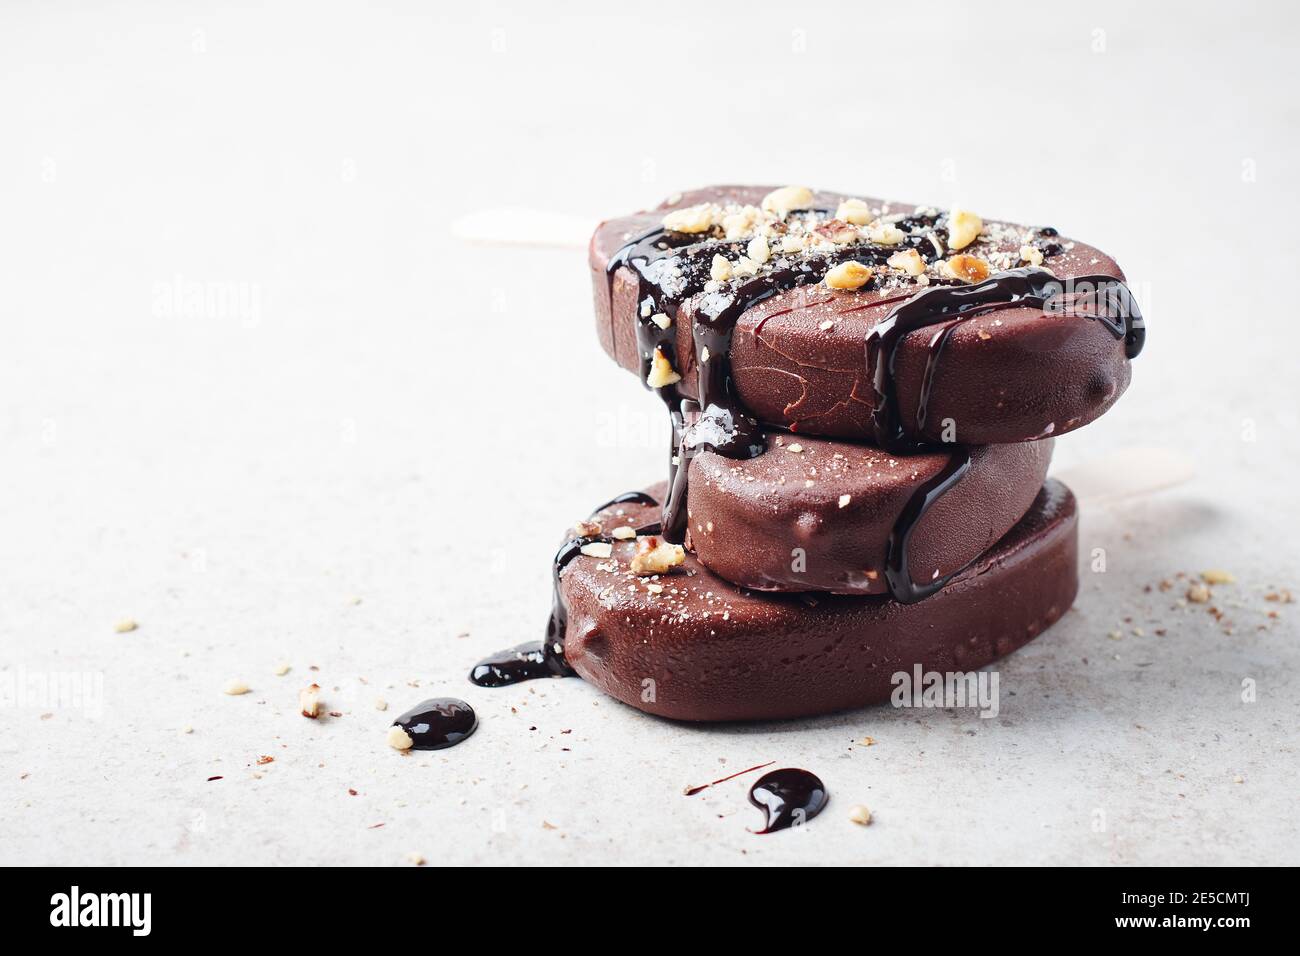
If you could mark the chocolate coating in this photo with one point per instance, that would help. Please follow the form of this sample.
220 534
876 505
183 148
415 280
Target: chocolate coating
705 650
747 518
1013 376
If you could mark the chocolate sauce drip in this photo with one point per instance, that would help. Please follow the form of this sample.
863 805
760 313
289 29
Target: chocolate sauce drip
520 663
545 658
1100 297
788 798
438 723
1103 298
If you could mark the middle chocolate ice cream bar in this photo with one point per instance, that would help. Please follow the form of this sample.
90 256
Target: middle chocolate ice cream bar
818 515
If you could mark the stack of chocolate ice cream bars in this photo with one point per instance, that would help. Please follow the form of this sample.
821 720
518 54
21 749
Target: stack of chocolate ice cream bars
862 398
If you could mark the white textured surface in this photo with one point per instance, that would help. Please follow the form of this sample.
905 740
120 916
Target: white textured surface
410 419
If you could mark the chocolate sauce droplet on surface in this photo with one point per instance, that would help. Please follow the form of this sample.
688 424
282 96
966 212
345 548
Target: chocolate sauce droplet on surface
788 798
437 723
524 662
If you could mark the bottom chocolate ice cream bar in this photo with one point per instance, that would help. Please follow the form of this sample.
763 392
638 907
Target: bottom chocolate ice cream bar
691 646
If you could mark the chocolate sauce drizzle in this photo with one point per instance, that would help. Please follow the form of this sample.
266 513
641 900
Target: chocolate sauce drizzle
545 658
788 798
1099 297
438 723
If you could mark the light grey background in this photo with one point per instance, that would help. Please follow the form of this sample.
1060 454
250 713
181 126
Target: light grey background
381 410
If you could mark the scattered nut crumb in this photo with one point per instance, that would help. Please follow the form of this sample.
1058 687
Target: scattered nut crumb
860 815
597 549
399 739
1198 594
381 704
1215 576
126 626
281 668
844 500
587 529
623 532
309 701
415 859
234 688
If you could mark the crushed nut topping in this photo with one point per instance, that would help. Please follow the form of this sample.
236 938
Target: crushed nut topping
848 275
692 219
661 371
966 268
787 199
655 556
964 228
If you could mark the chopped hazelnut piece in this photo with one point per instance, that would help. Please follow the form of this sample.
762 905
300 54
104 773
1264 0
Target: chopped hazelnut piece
737 225
791 243
597 549
848 275
1031 255
964 228
654 556
796 448
623 533
661 371
309 701
844 500
720 269
1198 594
125 627
692 219
758 250
909 261
234 688
1218 577
661 320
281 668
838 232
885 234
587 529
860 815
399 739
966 268
787 199
853 211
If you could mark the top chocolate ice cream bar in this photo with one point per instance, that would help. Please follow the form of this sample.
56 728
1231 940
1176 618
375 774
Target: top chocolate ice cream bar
833 315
